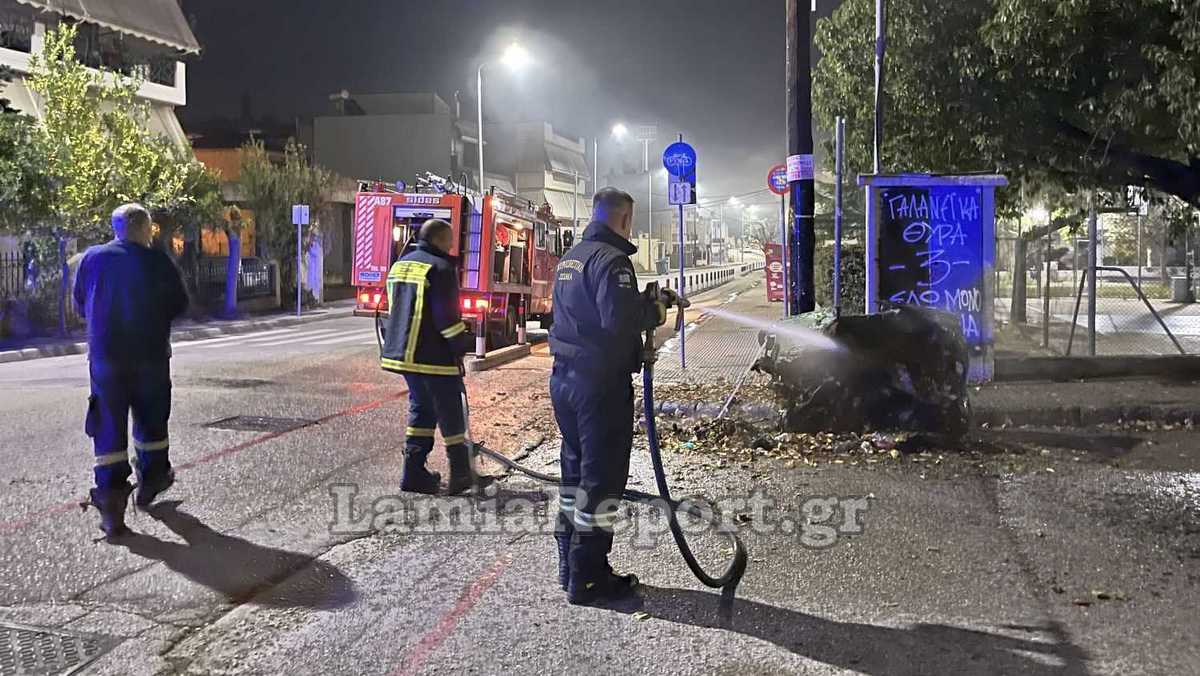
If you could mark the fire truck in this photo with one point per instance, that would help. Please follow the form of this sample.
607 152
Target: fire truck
506 253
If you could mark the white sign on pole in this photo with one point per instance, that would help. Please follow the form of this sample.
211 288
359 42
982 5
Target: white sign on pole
680 192
299 219
299 214
799 167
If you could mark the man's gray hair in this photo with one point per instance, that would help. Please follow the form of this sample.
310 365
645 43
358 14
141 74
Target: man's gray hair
129 214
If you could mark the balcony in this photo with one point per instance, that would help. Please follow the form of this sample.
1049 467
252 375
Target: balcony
162 72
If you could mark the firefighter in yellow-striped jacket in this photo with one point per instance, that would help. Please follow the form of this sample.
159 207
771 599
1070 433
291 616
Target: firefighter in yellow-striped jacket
425 341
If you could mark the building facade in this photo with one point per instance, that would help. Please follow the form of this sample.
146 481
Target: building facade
149 38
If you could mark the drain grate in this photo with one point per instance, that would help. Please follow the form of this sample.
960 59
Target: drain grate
256 423
30 651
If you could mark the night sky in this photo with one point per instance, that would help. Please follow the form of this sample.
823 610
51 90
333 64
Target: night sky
711 69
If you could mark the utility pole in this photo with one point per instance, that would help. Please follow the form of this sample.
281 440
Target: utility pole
1093 239
800 152
880 50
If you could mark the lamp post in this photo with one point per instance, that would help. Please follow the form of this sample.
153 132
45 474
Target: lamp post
515 58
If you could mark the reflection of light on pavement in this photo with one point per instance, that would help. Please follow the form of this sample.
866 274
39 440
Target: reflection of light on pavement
1182 486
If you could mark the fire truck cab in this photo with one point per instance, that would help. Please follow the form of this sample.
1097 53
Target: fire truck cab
506 252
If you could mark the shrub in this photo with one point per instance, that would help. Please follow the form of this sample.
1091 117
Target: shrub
854 276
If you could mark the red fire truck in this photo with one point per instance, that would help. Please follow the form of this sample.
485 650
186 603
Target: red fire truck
506 253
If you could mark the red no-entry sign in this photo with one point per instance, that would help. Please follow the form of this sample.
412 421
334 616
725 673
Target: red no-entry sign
777 179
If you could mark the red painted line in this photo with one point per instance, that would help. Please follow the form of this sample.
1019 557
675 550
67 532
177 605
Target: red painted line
435 637
10 527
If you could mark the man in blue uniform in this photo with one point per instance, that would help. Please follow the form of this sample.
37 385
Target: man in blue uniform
425 340
599 317
129 294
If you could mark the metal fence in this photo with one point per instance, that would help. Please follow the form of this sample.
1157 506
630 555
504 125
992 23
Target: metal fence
1136 313
12 274
256 278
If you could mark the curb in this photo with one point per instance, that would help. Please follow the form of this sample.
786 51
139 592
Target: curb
1083 416
1089 368
181 336
994 418
497 358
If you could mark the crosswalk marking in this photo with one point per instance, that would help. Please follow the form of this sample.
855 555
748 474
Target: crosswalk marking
298 338
341 339
226 339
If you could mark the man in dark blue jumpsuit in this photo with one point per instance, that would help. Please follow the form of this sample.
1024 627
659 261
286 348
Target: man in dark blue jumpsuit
129 294
599 317
425 341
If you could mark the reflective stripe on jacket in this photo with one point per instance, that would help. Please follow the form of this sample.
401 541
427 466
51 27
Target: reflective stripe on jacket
425 332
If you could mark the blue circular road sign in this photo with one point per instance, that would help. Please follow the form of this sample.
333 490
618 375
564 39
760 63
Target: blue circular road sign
680 159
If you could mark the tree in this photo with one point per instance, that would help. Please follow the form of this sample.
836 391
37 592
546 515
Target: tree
99 150
96 151
270 189
6 76
25 191
1066 96
761 233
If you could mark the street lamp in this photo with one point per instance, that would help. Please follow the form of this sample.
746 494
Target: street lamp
619 131
515 57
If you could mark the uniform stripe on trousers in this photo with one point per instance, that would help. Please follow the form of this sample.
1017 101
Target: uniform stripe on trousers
586 520
160 445
419 431
112 458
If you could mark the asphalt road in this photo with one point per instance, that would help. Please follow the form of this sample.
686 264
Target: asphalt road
252 567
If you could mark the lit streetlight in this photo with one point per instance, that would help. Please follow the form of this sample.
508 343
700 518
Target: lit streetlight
619 131
515 58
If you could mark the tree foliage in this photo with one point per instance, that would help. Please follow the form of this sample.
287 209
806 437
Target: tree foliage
98 150
1062 97
271 187
6 76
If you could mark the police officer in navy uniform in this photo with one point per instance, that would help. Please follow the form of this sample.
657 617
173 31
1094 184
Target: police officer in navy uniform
599 317
425 340
129 293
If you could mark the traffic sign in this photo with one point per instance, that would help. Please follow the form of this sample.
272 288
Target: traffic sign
299 214
681 192
680 159
777 179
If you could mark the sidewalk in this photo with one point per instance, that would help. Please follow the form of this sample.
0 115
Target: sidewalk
718 348
183 331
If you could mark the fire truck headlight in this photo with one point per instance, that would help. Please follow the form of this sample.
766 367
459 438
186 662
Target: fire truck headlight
376 299
466 303
364 298
481 304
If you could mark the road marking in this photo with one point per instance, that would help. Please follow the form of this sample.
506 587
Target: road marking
12 526
435 637
342 339
297 338
225 339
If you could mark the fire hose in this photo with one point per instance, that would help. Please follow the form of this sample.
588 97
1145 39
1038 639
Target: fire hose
737 566
732 575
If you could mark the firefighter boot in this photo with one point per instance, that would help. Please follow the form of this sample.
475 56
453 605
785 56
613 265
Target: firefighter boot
562 536
111 503
462 475
417 478
592 579
150 486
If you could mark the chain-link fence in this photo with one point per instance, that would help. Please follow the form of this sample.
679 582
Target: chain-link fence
1042 303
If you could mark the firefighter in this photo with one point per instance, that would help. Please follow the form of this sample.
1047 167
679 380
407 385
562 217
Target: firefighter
425 340
129 293
599 316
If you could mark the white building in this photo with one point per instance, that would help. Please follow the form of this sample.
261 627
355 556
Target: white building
149 37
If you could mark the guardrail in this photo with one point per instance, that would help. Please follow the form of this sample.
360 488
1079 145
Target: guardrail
703 279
